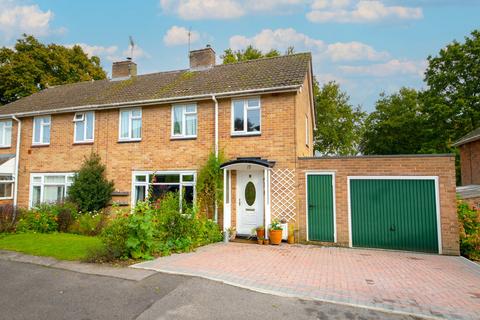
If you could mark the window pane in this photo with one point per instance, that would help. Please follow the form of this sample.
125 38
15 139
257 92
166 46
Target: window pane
2 125
37 126
253 120
177 120
238 116
139 193
36 196
79 127
54 179
188 194
253 103
191 108
191 124
37 179
70 179
166 178
141 178
8 135
137 128
5 190
187 178
6 178
46 134
136 113
89 121
53 193
124 124
159 191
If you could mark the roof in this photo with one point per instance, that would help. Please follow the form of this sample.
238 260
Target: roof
470 191
5 157
249 160
470 137
273 74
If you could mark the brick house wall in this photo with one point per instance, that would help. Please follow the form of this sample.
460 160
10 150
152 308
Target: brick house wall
470 162
441 166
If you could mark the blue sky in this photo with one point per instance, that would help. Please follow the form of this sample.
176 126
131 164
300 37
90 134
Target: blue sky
368 46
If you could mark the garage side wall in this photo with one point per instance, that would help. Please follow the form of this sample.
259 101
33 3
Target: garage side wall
442 166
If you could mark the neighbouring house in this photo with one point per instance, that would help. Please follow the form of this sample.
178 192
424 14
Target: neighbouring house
156 131
469 147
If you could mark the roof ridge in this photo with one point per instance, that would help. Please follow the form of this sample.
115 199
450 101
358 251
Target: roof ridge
264 58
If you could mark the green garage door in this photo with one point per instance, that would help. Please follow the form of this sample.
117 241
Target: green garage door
394 214
320 207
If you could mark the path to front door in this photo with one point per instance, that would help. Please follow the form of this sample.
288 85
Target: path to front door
421 284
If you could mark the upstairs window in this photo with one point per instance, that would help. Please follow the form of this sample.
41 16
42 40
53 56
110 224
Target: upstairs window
5 133
41 130
84 123
184 121
246 116
130 124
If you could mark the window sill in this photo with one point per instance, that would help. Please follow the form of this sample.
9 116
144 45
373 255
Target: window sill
79 143
249 134
7 198
40 145
129 141
5 147
183 138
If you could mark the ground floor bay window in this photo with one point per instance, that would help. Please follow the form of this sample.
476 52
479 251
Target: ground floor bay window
154 185
49 187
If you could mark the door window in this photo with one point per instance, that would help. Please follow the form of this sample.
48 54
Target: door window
250 193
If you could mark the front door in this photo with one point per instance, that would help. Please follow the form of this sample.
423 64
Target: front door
250 204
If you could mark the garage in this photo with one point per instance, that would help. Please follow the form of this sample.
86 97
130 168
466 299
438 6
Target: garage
400 213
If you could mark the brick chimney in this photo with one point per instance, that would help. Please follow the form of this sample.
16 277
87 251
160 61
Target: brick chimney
202 58
124 69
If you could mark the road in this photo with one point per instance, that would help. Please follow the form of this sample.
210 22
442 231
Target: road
29 291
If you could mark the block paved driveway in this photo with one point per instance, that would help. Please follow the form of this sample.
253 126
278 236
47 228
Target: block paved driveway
420 284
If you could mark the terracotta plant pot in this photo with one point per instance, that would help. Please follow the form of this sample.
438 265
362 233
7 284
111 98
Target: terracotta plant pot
275 236
266 242
260 241
260 233
291 239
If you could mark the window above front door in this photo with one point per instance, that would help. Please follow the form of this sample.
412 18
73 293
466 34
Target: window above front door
246 116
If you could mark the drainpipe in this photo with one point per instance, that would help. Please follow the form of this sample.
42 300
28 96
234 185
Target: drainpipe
17 159
216 149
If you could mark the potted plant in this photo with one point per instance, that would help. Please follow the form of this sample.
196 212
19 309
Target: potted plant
260 232
260 240
232 233
266 242
291 236
275 232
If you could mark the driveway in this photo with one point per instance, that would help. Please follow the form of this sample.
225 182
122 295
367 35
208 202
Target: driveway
403 282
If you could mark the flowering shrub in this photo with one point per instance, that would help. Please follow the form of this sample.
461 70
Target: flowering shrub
469 223
89 224
42 219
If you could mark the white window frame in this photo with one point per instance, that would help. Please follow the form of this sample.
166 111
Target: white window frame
184 122
42 126
11 181
131 117
7 124
84 120
245 131
42 184
147 183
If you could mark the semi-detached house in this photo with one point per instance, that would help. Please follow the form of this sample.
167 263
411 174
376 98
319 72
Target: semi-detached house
156 131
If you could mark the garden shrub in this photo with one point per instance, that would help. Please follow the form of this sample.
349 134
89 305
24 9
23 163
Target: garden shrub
42 219
66 216
90 189
114 237
141 229
89 223
9 216
469 223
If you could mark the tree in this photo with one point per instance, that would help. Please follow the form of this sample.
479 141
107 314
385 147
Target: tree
397 126
452 99
249 53
90 189
210 184
339 124
32 66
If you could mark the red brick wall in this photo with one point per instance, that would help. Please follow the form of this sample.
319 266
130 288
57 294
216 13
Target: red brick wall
470 162
441 166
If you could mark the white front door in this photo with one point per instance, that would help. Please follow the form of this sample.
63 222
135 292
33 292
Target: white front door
250 204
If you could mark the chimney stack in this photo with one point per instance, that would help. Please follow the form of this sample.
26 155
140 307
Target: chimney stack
124 69
202 58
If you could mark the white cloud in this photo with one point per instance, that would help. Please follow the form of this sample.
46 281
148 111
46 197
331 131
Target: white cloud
179 36
224 9
111 53
281 39
96 50
138 53
359 11
390 68
17 19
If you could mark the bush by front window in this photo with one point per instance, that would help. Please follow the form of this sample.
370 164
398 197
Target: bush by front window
131 124
184 120
246 116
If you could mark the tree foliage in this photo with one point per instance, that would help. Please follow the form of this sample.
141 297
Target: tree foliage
339 124
32 66
250 53
210 183
90 189
397 126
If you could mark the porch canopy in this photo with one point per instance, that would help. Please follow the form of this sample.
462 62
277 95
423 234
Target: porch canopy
257 170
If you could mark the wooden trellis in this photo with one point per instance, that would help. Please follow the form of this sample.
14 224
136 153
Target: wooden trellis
283 194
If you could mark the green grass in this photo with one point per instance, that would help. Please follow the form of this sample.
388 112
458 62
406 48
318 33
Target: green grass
63 246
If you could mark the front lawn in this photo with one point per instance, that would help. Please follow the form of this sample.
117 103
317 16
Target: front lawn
63 246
